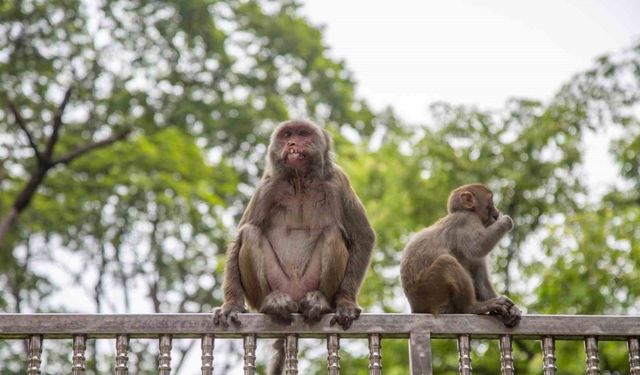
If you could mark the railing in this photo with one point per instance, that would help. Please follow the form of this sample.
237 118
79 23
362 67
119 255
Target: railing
418 328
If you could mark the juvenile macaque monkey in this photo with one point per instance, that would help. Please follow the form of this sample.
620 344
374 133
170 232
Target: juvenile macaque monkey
444 266
304 241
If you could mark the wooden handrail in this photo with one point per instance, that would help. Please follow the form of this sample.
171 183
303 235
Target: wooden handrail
418 328
570 327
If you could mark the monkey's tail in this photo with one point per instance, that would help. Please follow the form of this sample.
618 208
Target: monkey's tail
276 364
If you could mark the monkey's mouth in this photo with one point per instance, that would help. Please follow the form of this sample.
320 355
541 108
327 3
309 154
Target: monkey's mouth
294 157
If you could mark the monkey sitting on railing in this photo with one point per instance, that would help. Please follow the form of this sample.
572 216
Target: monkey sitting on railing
444 266
304 241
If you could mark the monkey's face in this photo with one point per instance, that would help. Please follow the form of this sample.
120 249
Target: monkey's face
476 198
297 145
487 209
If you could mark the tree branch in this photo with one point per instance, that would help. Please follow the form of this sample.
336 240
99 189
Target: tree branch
57 123
66 159
183 356
26 194
23 126
523 347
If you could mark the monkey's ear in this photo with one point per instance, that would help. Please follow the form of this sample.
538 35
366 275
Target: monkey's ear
467 199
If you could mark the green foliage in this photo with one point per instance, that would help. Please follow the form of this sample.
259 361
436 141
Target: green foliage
530 154
142 225
200 84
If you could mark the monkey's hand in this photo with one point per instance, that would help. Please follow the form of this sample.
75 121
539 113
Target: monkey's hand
498 306
227 313
504 308
346 312
505 222
313 305
513 317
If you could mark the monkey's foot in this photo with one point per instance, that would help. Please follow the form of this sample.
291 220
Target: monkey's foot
279 306
513 317
346 313
227 313
503 308
495 306
313 305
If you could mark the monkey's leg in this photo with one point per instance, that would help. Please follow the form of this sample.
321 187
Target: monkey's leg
255 258
341 279
262 276
326 269
334 262
443 287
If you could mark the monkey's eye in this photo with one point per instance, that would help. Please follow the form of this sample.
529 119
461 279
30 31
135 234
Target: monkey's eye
286 134
304 133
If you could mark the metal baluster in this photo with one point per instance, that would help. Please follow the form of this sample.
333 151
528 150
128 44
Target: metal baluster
506 356
291 355
164 358
375 354
420 352
79 346
207 344
591 349
333 354
634 355
35 355
549 356
249 354
122 358
464 352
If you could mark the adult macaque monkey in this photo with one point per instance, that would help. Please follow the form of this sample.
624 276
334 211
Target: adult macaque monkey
304 241
444 266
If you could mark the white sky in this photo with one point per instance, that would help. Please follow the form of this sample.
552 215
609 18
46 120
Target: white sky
409 54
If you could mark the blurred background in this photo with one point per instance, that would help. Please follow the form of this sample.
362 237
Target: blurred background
132 134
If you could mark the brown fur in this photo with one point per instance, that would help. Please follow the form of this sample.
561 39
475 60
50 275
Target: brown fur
304 241
444 266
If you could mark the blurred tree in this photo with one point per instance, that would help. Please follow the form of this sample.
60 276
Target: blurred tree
198 85
141 225
597 251
531 155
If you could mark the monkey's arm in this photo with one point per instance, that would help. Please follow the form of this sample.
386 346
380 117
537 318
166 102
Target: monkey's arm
484 289
233 292
360 238
234 296
256 214
487 238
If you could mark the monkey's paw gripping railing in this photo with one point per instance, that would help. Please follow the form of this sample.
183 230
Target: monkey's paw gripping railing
418 328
